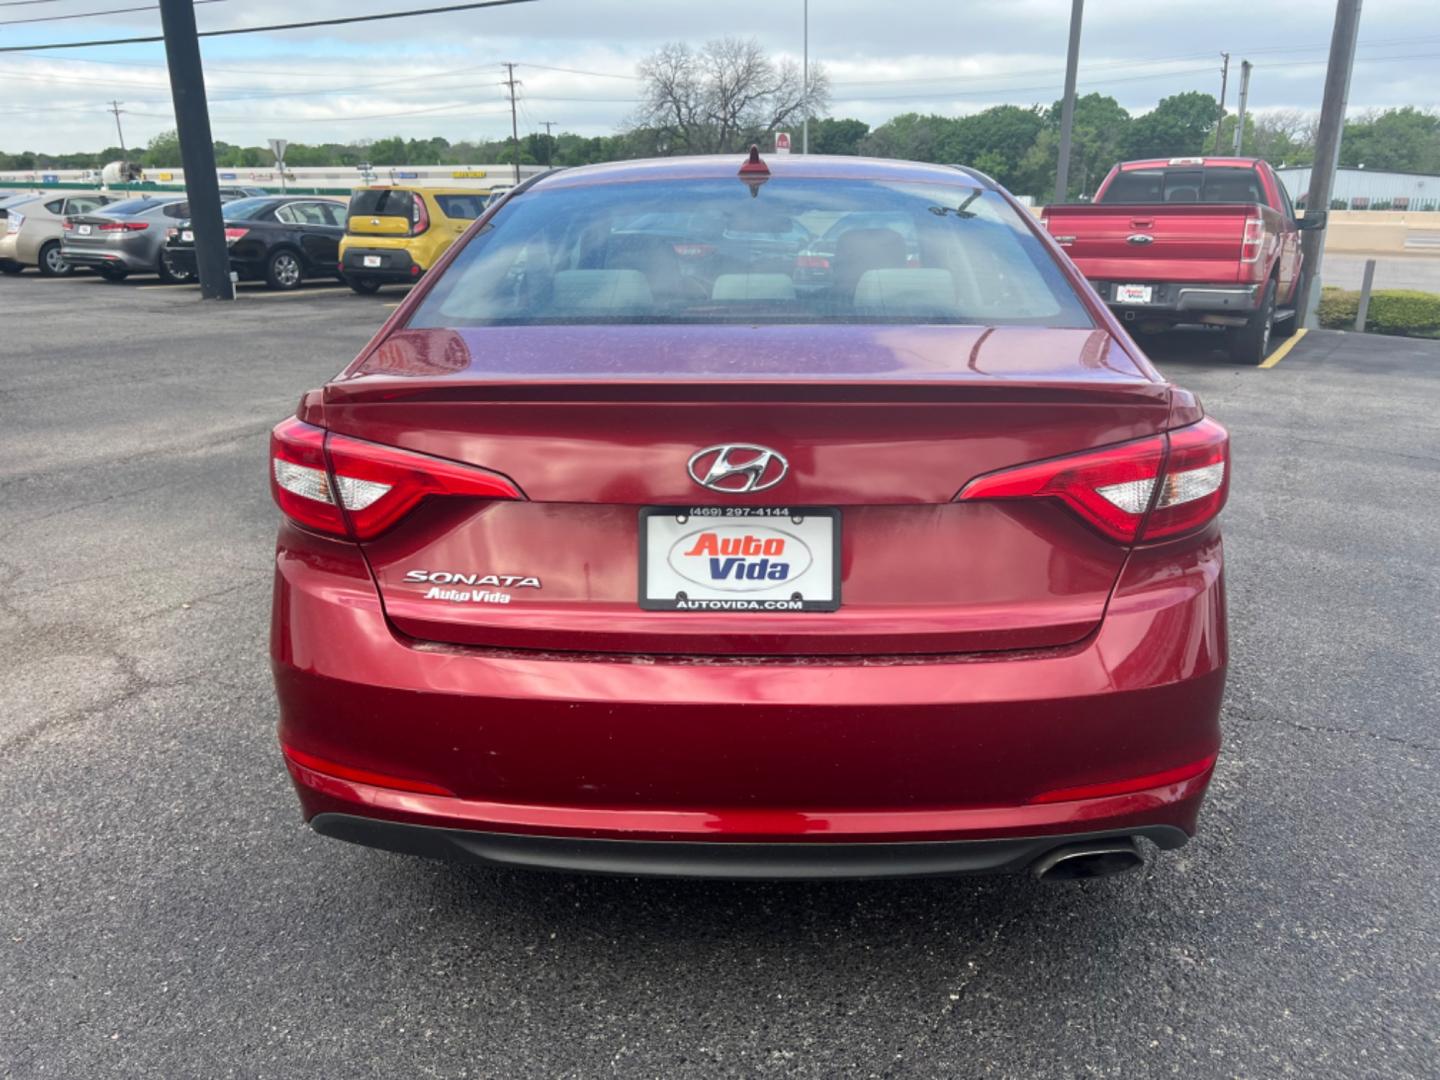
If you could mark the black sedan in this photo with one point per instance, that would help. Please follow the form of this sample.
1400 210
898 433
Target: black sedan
278 239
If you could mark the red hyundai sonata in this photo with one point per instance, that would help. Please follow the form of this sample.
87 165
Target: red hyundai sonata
653 535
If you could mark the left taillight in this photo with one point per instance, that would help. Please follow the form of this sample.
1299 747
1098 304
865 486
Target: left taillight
1141 491
349 487
420 218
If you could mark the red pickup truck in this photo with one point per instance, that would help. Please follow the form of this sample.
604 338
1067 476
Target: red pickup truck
1192 240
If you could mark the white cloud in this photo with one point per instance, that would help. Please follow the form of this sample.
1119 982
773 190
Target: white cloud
441 74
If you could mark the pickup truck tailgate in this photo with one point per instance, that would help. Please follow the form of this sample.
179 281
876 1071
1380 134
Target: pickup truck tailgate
1174 242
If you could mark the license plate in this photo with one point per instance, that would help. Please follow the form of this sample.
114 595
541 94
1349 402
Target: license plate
83 230
743 559
1132 294
371 260
186 236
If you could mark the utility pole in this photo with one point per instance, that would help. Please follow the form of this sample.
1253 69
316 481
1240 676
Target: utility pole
514 124
115 108
1327 154
805 81
1224 80
1067 106
1245 67
124 154
548 125
197 150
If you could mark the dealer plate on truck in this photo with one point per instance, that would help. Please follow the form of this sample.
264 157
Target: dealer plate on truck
371 260
753 559
187 236
1132 294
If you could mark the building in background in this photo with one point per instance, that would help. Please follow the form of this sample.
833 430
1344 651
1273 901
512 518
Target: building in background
1369 189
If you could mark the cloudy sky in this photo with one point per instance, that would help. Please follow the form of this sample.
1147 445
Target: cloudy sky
440 74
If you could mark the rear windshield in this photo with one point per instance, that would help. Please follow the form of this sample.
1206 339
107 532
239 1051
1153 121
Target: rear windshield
249 209
465 207
707 251
1215 184
386 202
133 206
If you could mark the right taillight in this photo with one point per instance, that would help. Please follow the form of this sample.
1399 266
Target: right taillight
1145 490
1196 480
1252 243
349 487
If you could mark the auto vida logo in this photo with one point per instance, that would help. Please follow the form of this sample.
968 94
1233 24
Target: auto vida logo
737 468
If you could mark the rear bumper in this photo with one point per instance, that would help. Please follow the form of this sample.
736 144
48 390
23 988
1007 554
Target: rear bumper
671 858
799 754
1184 301
94 257
395 265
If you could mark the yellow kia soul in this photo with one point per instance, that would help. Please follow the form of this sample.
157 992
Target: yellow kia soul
395 234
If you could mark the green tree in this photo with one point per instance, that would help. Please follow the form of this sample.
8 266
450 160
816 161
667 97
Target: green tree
834 136
1182 125
1404 140
1097 136
162 152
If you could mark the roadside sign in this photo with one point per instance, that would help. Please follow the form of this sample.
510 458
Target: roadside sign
49 178
229 176
408 175
277 147
468 174
782 142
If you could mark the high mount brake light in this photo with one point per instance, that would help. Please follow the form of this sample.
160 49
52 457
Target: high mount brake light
348 487
1130 492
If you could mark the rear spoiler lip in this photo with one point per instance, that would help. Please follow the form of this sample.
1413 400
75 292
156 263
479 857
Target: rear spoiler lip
374 389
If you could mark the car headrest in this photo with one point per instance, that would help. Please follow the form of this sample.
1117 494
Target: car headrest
601 290
917 291
753 287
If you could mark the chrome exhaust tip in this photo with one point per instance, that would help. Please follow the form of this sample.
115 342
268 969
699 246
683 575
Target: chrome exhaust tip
1074 862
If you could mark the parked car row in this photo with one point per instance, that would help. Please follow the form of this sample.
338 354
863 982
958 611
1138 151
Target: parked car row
384 234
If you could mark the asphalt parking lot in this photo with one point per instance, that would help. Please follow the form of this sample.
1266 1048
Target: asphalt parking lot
165 913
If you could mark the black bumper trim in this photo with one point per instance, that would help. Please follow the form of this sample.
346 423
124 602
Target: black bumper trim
720 858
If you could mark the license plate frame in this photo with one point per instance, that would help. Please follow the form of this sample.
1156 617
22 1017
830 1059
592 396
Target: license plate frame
1134 294
187 236
370 262
818 531
82 230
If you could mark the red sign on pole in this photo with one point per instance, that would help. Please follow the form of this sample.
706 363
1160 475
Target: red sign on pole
782 142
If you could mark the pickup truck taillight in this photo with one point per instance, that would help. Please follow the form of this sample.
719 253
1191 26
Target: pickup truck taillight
1253 242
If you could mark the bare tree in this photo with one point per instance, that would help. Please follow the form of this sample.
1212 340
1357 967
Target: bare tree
725 95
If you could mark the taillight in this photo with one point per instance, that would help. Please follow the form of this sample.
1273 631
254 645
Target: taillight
1253 241
124 226
67 225
299 479
1196 482
13 221
811 262
1131 491
694 251
231 235
422 216
344 486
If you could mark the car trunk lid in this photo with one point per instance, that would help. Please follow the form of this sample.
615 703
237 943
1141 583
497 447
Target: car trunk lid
882 425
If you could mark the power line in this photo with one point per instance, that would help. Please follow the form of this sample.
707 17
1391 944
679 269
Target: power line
346 20
94 14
